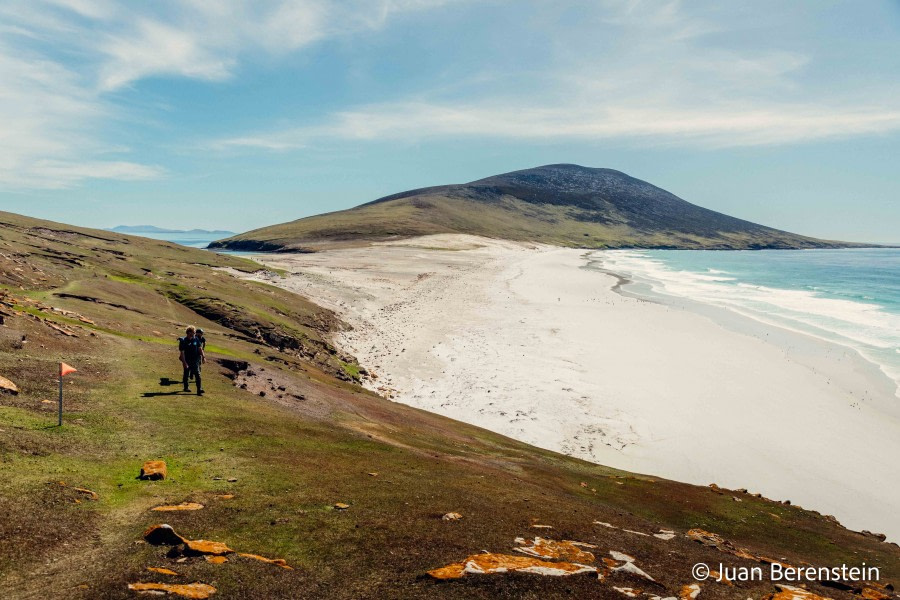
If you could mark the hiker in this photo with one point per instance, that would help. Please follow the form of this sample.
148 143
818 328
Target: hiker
191 354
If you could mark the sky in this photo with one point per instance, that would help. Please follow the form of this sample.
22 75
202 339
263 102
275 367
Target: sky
240 114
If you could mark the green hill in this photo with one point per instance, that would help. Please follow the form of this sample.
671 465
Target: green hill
566 205
283 435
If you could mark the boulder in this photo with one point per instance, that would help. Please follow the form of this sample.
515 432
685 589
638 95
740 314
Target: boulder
8 387
163 535
153 470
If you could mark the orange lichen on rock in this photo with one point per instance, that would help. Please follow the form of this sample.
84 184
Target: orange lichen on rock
216 560
790 592
154 469
553 550
716 541
275 561
224 496
874 591
689 592
486 564
162 570
198 591
206 547
182 506
8 387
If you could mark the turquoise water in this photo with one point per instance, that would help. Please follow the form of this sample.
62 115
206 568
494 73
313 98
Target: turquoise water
851 297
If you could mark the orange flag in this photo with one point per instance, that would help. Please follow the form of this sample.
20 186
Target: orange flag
65 369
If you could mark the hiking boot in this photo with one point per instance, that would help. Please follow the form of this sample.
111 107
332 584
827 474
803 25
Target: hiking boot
187 389
200 392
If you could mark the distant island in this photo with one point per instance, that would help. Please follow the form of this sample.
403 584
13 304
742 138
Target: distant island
563 204
154 229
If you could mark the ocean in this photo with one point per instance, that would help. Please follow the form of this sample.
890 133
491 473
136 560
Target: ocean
850 297
193 240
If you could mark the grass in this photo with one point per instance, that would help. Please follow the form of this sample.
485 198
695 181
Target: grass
294 459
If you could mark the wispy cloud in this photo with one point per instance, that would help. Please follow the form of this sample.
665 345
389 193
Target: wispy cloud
662 76
62 60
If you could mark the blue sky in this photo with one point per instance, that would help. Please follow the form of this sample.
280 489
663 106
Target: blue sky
239 114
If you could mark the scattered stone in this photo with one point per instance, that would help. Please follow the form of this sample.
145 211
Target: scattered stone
630 592
162 570
628 565
182 506
689 592
452 516
553 550
716 541
789 592
196 591
274 561
153 470
162 535
341 506
8 387
542 526
206 547
665 534
486 564
216 560
878 536
232 479
372 474
224 496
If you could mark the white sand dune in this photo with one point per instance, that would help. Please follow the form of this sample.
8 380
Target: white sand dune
524 341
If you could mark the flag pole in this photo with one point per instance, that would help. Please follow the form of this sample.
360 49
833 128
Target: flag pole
60 394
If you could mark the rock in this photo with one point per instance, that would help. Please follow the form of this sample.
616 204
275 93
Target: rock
274 561
486 564
162 570
665 534
553 550
689 592
542 526
716 541
206 547
8 387
153 470
878 536
196 591
232 479
789 592
224 496
372 474
630 592
875 591
341 506
452 516
162 535
175 507
216 560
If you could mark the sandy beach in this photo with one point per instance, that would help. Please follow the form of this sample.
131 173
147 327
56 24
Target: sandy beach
530 342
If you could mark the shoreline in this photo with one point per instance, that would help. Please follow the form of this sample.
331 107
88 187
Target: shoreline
460 326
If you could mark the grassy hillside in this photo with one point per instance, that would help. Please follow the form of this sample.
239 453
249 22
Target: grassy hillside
297 439
565 205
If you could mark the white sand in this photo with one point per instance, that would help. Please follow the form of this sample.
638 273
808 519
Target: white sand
523 341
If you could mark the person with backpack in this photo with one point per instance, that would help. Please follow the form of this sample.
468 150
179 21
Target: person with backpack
190 348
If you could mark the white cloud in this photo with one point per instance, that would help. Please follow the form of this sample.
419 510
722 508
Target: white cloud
62 60
637 70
